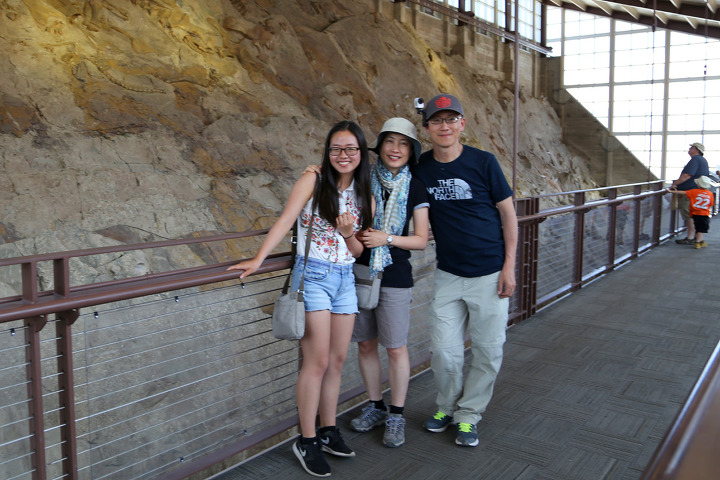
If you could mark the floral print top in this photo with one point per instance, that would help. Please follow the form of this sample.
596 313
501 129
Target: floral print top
327 243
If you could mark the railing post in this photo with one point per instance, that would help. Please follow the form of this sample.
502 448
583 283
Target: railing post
657 214
33 326
29 282
612 226
66 378
66 381
579 242
637 218
528 246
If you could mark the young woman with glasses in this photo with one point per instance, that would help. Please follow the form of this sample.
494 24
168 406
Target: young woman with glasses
343 206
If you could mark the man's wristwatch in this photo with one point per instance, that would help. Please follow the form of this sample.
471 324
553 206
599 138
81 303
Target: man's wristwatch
389 239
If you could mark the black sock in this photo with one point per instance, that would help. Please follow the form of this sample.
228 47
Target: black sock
397 410
308 441
379 404
322 430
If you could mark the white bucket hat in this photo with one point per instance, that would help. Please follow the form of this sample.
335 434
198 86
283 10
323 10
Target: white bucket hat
706 183
402 126
699 146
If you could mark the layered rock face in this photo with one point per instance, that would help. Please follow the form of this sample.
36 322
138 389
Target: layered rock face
137 120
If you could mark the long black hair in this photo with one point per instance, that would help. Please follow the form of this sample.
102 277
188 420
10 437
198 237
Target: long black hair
326 196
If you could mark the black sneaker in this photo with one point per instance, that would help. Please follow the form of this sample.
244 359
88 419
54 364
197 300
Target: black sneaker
311 458
685 241
332 442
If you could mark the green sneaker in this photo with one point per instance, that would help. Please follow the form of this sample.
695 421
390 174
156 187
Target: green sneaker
438 422
467 435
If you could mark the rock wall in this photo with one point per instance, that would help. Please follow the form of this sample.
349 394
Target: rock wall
136 120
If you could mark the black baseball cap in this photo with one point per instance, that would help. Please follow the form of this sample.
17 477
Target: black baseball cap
444 101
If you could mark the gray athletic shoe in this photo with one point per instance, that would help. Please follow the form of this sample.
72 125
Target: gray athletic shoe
370 418
394 431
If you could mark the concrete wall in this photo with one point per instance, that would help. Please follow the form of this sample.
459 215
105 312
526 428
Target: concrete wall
486 53
611 163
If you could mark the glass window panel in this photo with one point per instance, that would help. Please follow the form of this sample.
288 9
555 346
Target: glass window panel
554 16
602 44
602 25
694 95
623 74
572 29
622 26
621 124
623 58
622 108
572 47
485 10
687 69
556 48
574 77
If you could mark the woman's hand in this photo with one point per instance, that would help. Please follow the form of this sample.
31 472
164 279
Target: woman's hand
371 238
249 266
312 169
345 223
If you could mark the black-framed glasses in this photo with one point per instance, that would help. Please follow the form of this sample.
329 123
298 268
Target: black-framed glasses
349 151
440 120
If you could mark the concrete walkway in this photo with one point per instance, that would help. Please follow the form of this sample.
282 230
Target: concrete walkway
588 388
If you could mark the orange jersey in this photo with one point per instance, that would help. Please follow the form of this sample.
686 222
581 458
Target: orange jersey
701 201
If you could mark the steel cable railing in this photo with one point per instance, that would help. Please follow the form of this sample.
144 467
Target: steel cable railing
169 373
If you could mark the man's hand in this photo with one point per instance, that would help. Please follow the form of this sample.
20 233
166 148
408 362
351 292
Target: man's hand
506 283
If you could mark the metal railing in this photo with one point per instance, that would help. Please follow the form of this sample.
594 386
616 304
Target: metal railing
167 374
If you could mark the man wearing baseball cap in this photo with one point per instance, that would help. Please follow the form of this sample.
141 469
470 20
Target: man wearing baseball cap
476 231
695 168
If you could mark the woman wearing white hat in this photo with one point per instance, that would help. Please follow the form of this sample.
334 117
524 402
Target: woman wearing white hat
399 198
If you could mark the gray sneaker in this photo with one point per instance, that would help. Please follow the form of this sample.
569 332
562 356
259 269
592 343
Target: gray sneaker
394 431
467 435
370 418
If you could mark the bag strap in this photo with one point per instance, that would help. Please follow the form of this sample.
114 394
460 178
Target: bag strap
293 250
308 239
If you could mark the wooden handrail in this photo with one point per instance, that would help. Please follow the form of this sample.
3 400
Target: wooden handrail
689 449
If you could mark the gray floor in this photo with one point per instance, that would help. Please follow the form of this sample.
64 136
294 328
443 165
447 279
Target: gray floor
588 388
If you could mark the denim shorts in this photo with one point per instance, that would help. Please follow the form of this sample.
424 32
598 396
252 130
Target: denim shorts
328 286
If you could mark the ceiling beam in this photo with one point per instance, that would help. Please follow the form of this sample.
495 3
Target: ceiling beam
662 17
604 7
677 7
580 4
680 26
632 11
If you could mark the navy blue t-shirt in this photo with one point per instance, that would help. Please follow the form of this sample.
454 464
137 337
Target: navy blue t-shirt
465 221
399 274
697 167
